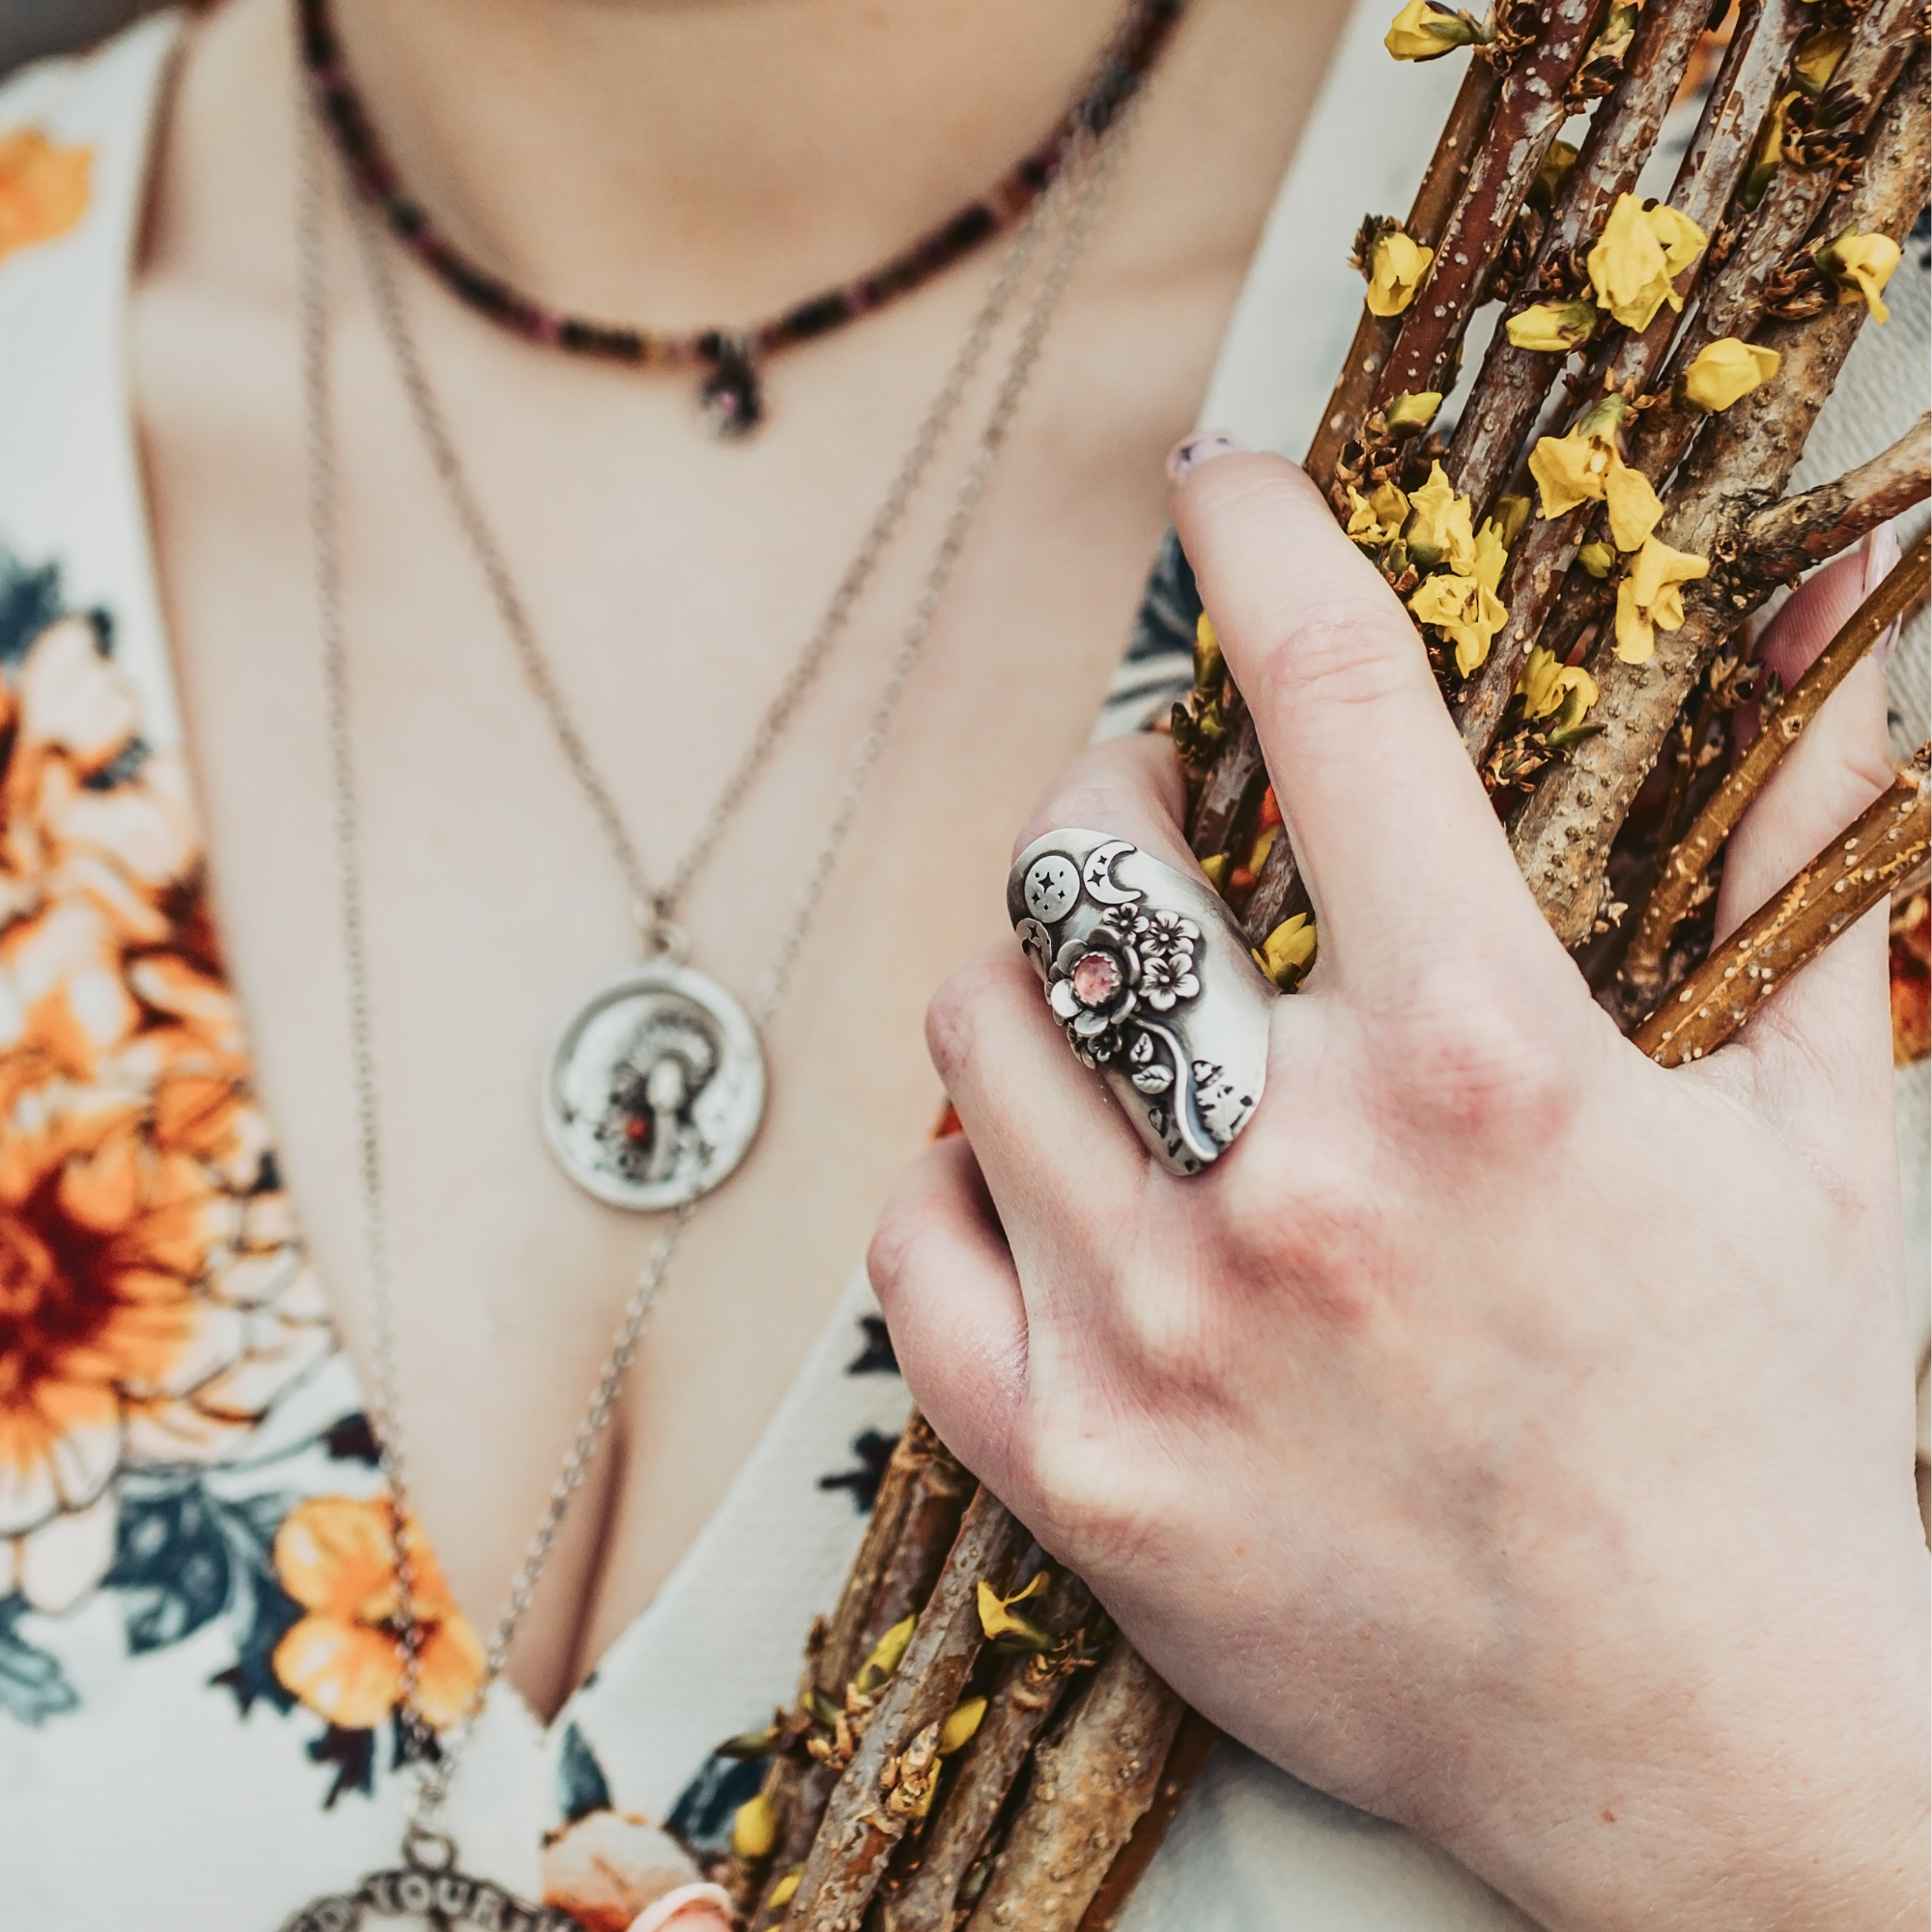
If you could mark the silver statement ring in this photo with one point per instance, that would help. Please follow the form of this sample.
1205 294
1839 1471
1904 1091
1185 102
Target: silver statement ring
1152 982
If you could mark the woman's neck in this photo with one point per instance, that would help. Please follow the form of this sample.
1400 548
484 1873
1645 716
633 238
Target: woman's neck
683 163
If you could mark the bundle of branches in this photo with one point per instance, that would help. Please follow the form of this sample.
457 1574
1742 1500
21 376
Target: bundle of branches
972 1745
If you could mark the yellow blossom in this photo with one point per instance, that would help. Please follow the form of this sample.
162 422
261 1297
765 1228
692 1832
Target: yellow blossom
1545 683
1635 257
1396 267
1552 329
1379 516
1598 558
997 1619
1425 30
1570 469
1632 505
787 1888
1861 265
1725 370
1465 612
1651 597
1439 525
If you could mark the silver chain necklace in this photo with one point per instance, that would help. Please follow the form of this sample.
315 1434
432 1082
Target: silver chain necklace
428 1879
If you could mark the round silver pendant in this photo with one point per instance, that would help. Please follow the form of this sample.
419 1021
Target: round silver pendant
655 1089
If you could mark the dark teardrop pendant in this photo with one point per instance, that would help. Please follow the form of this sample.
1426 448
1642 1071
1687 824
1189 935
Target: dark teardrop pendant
731 397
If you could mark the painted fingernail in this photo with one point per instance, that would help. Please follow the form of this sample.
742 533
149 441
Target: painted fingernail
1191 452
1881 556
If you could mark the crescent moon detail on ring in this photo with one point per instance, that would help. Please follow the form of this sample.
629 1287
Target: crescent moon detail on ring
1096 874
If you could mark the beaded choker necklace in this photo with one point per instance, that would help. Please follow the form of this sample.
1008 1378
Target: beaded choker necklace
730 391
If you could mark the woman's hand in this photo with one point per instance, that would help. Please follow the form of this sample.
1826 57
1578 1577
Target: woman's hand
1505 1435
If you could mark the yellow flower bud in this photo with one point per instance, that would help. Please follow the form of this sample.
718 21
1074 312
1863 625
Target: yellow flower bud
1424 31
1288 953
1861 265
1559 162
1215 870
1552 329
1511 513
885 1657
1379 516
1635 257
1598 558
1413 412
754 1828
1396 267
1438 526
956 1733
1651 597
1208 659
1817 56
787 1888
1725 370
1632 505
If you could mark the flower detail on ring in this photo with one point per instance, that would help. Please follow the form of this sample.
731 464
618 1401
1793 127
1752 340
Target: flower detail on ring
1135 957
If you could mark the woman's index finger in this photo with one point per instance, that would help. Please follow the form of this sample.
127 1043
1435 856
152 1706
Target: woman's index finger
1391 824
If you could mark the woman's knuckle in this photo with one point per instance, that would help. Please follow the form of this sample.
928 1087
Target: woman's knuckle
1336 651
956 1014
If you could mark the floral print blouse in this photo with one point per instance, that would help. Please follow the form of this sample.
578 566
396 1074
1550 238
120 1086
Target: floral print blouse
199 1665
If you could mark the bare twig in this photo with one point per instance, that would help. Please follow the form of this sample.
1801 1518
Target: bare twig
1509 390
1375 334
1534 105
1193 1745
1091 1786
1855 872
861 1823
1816 524
1678 877
1026 1696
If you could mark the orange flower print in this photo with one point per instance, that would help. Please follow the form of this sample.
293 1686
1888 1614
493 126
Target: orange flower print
44 190
609 1867
337 1557
155 1299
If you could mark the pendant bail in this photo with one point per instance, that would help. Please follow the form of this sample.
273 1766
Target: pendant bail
663 936
426 1849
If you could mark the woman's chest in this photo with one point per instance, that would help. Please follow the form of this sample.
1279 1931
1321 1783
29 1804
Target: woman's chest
669 583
